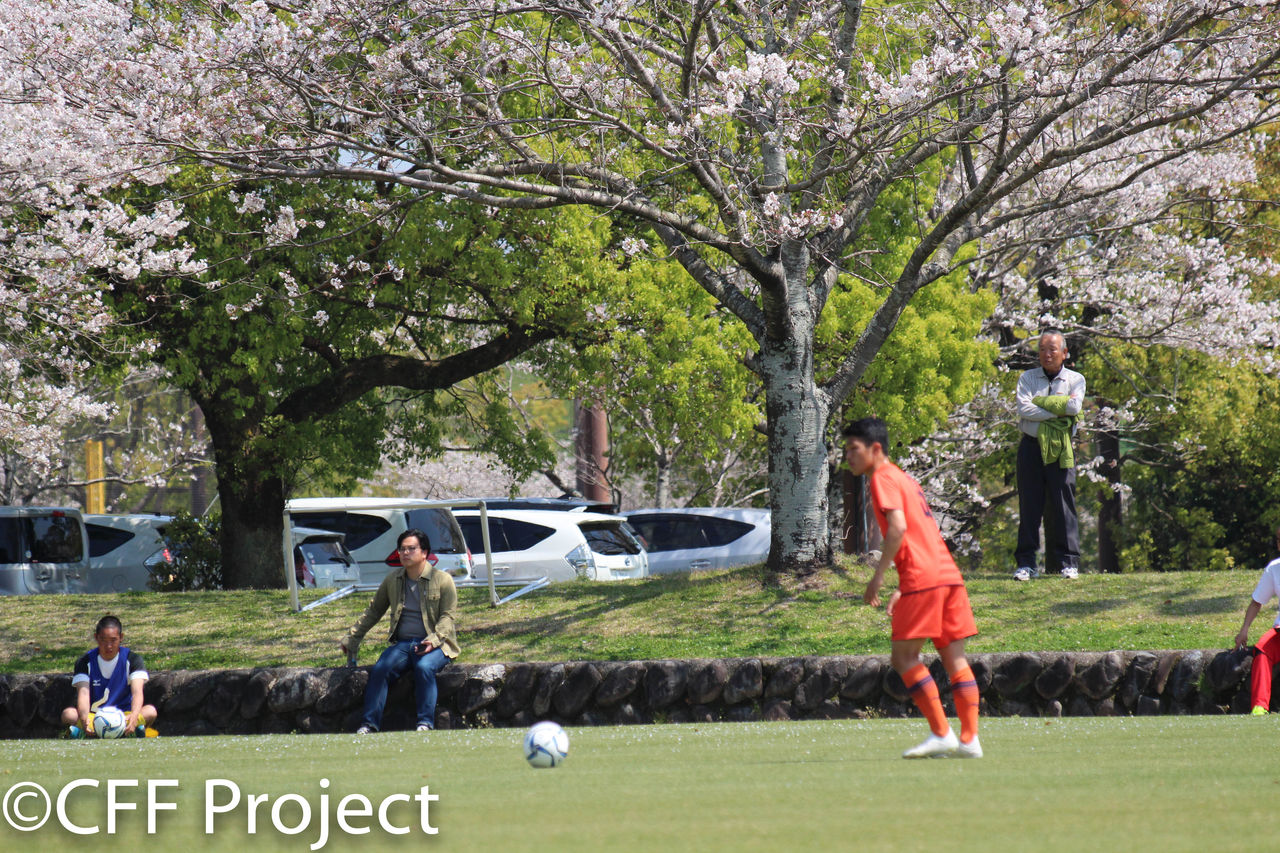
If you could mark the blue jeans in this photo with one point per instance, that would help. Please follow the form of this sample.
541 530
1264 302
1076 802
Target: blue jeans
395 662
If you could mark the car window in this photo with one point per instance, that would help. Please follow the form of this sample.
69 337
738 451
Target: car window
521 535
438 524
104 539
670 532
471 532
361 529
722 531
606 537
11 550
55 539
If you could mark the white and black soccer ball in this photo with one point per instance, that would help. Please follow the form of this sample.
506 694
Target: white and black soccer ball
546 744
108 722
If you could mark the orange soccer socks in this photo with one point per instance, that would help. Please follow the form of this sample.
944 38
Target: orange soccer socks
964 690
924 692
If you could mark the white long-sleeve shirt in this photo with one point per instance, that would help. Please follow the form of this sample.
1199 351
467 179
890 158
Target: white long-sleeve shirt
1034 383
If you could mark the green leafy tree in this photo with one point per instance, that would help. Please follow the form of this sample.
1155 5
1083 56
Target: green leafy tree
291 344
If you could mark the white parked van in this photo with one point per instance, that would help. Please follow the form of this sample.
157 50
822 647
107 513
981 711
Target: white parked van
43 549
372 526
531 543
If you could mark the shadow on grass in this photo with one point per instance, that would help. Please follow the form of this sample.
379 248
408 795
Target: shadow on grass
1204 606
585 600
1088 608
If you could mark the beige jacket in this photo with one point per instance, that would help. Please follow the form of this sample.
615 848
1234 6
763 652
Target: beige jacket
439 599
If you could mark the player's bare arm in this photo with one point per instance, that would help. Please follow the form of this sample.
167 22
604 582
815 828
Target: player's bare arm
897 529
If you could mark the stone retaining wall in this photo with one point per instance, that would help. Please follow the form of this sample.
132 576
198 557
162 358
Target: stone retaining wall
595 693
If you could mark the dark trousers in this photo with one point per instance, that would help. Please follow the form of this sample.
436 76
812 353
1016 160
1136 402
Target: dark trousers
1048 492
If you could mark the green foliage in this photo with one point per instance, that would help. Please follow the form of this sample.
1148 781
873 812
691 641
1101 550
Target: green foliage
1201 461
931 362
671 376
196 555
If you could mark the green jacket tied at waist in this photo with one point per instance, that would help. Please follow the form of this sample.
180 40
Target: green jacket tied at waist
1055 435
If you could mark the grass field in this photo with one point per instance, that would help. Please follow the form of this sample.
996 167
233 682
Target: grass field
1168 784
711 614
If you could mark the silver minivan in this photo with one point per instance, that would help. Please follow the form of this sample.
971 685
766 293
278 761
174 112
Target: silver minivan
43 549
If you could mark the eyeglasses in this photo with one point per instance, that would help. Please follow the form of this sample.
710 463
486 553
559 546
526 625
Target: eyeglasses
409 549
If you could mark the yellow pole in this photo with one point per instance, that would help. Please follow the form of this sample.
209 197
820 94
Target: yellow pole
95 493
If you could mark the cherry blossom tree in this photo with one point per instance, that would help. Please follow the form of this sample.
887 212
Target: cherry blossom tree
755 140
59 229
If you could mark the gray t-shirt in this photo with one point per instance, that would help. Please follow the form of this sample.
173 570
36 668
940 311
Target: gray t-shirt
410 626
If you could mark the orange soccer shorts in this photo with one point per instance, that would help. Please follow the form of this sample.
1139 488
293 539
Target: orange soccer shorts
941 614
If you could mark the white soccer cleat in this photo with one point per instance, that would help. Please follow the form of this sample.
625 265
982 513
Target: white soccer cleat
934 746
972 749
1026 573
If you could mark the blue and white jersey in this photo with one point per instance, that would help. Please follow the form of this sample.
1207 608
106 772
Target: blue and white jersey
109 682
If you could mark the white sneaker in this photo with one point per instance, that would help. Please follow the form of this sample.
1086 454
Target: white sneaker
1025 573
934 746
972 749
1071 572
365 730
423 727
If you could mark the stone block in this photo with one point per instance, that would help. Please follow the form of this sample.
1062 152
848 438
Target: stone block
785 679
746 684
1056 677
1137 677
551 681
1226 672
1015 673
893 686
1099 679
255 692
573 694
344 690
862 684
664 683
293 690
517 690
57 695
706 683
618 682
777 710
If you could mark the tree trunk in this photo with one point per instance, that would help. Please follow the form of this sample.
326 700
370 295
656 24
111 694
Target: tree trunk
1109 508
662 479
251 492
252 534
798 473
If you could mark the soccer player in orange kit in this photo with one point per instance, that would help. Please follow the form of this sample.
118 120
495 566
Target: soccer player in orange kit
933 603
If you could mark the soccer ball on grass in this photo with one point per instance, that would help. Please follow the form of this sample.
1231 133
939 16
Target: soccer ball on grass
546 744
108 722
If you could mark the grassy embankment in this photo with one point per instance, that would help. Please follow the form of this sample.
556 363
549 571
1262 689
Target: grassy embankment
707 615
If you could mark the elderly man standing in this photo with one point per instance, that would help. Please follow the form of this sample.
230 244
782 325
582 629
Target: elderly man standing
1049 401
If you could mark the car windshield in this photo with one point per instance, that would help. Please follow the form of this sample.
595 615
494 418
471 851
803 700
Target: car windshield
609 538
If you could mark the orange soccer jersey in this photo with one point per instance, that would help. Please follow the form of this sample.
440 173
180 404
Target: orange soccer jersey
923 562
